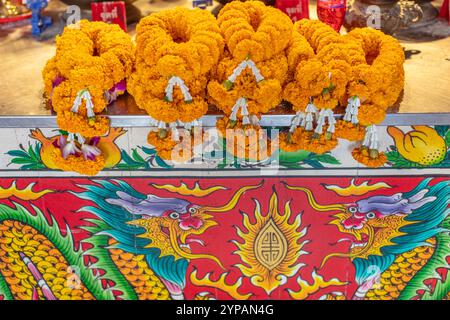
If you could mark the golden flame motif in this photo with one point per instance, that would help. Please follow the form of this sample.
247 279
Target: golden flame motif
318 283
26 193
231 289
184 190
271 246
357 190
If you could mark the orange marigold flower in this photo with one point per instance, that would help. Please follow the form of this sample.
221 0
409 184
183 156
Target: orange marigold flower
349 131
245 141
73 122
78 164
362 156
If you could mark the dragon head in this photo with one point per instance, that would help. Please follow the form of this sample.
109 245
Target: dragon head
371 224
173 232
367 232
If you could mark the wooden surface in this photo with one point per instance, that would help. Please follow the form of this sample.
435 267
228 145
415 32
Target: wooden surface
22 59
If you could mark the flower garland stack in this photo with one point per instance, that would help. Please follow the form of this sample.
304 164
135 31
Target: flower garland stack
88 71
176 51
245 62
376 85
362 71
250 76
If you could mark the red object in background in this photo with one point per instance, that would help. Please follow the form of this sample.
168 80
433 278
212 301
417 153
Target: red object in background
445 11
295 9
110 12
15 18
332 12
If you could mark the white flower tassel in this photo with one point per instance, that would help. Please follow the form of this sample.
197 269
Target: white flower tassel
185 90
237 71
303 121
331 121
80 138
258 76
175 133
169 88
161 125
70 137
241 103
77 102
248 63
86 96
371 141
371 138
310 110
254 120
299 116
89 105
174 80
244 113
320 122
309 121
351 112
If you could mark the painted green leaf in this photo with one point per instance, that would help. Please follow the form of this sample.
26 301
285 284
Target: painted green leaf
326 158
136 156
442 130
162 163
148 151
128 160
447 139
313 163
17 153
22 161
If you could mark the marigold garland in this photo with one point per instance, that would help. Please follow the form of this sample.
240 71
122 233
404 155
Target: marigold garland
362 156
94 56
78 164
97 126
252 29
165 145
260 96
88 71
249 78
176 50
347 130
302 139
86 164
365 74
248 141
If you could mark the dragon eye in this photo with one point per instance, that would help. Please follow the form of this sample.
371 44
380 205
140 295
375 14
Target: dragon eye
192 210
174 215
353 209
370 215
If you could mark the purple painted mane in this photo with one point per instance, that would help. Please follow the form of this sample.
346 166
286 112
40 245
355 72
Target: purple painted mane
395 204
151 206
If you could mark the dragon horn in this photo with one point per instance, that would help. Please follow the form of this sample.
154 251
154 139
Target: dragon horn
313 203
232 203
